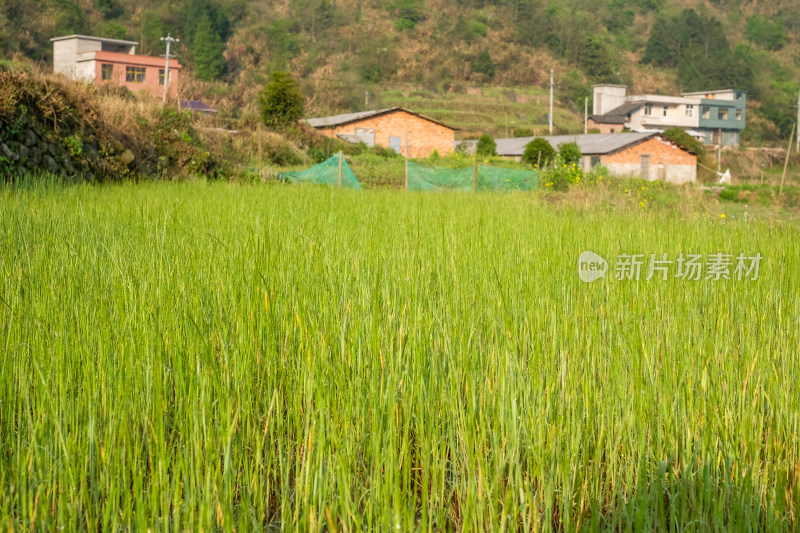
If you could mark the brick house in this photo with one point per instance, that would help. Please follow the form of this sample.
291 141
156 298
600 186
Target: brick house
406 132
113 62
647 155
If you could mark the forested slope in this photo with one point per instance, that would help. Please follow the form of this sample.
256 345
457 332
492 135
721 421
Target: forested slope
341 48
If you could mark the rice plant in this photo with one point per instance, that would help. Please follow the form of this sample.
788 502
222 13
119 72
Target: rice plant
185 357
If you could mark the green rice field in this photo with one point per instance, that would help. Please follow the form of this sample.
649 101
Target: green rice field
221 357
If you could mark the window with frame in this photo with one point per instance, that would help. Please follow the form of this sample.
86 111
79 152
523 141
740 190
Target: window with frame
135 74
722 114
161 76
106 72
648 109
706 111
689 110
665 111
738 114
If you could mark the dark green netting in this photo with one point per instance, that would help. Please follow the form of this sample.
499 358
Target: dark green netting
326 173
421 178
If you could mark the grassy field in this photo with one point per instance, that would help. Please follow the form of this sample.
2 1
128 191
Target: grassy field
202 356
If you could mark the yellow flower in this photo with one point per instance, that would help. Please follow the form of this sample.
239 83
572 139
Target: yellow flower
722 215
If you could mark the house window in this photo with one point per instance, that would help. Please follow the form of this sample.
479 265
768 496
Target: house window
723 114
665 111
738 114
106 72
739 96
648 110
161 76
134 74
706 111
689 110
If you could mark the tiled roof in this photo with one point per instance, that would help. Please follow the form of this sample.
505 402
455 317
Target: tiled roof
346 118
588 144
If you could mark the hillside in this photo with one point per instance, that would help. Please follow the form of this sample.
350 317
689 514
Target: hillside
352 54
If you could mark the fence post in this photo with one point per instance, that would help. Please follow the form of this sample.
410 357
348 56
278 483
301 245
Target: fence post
475 170
260 154
786 164
340 168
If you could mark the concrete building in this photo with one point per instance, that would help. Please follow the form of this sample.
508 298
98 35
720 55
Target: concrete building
406 132
113 62
647 155
715 117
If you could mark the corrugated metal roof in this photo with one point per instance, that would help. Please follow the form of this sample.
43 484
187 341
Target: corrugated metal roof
588 144
349 137
346 118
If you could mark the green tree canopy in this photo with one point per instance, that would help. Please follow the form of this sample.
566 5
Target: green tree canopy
281 101
570 152
483 64
208 60
538 151
486 145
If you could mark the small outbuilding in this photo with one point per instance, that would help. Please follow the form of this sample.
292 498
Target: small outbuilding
406 132
650 156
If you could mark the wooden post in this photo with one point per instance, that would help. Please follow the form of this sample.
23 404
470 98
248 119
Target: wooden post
341 156
786 163
406 173
475 170
260 153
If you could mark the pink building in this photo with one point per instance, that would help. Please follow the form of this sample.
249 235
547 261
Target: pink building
114 62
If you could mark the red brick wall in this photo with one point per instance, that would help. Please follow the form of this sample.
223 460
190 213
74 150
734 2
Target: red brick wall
660 151
423 135
605 128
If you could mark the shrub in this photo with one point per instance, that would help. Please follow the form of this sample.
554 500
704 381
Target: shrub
570 153
538 151
523 132
486 145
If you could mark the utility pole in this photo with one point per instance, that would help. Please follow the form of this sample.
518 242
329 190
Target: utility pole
169 40
550 116
586 115
366 100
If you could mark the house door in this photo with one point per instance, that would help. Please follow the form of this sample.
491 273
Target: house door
367 136
395 143
645 171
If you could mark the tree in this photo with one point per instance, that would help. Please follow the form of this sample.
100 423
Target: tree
570 153
483 64
281 101
538 151
208 50
486 145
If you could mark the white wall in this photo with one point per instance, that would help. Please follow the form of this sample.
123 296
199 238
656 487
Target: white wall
673 173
